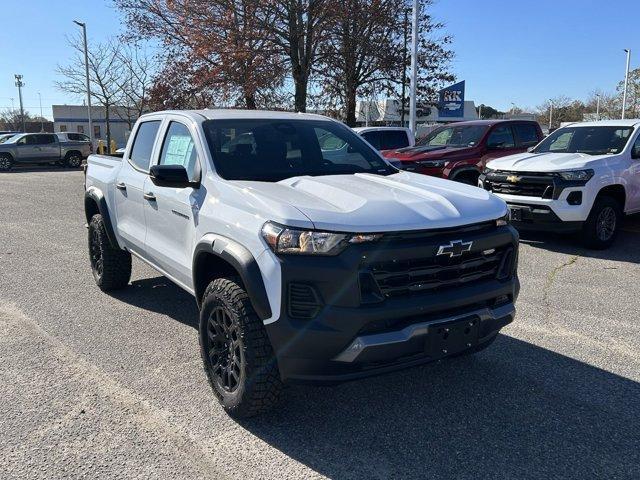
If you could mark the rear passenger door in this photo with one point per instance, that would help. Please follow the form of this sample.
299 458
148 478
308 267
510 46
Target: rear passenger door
49 146
129 186
172 215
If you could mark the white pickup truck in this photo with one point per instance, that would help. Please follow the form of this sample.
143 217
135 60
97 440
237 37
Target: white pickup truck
306 265
583 177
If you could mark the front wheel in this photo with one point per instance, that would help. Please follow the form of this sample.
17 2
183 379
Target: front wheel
602 225
73 160
236 352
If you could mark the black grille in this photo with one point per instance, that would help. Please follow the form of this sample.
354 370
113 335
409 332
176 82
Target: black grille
407 277
518 184
304 302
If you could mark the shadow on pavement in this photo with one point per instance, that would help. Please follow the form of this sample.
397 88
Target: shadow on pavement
625 249
514 411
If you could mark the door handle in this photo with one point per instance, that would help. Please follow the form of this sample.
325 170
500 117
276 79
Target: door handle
149 196
121 186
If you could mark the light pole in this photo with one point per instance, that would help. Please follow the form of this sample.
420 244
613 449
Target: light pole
550 114
480 112
41 117
86 69
20 84
414 67
626 82
597 106
513 108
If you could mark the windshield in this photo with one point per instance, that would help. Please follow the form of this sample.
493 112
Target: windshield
454 136
5 137
271 150
589 140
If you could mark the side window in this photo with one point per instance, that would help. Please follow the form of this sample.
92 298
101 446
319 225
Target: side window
527 134
501 138
33 140
374 138
23 141
635 151
63 128
178 148
394 139
73 136
338 155
143 144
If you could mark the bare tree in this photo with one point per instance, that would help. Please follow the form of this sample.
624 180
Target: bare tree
105 74
10 119
137 70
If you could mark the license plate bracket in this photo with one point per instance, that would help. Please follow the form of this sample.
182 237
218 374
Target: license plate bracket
453 337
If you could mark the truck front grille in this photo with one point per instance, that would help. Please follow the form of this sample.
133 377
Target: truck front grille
439 273
530 185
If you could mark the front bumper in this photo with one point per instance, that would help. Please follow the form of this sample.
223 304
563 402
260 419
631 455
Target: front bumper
353 333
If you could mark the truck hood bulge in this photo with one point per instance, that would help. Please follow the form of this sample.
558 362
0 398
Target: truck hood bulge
547 162
374 203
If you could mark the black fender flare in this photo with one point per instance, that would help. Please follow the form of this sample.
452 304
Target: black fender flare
243 261
93 196
457 171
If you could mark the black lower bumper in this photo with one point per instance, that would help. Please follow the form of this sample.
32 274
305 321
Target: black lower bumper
540 218
351 334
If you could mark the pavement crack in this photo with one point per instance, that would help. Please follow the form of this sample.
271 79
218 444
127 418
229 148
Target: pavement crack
551 278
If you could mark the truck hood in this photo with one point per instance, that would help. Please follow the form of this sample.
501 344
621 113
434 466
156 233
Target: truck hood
547 162
422 153
374 203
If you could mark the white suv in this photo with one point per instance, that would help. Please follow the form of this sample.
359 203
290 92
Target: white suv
582 177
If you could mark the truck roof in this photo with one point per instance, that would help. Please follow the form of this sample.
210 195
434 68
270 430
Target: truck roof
491 121
607 123
228 113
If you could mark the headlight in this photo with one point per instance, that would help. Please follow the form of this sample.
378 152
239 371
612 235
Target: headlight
287 240
432 163
502 221
577 175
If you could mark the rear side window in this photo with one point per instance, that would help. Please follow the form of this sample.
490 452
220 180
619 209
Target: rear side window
143 144
527 134
501 137
394 139
374 138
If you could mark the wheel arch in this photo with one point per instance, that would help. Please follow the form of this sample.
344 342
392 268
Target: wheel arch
216 256
70 152
462 170
616 191
94 202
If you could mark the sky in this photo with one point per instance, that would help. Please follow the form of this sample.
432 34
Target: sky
507 51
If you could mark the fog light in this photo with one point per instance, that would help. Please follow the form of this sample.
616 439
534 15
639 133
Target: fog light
575 198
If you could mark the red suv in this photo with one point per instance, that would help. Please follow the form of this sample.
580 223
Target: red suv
459 151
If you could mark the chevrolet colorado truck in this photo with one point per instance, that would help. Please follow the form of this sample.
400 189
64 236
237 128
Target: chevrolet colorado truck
460 151
581 178
41 148
306 265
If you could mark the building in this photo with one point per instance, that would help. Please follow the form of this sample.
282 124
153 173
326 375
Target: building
388 112
73 118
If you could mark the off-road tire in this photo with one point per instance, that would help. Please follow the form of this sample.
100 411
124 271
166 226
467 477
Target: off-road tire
598 232
110 265
247 351
6 163
73 160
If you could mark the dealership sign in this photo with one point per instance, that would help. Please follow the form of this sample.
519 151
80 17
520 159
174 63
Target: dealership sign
452 101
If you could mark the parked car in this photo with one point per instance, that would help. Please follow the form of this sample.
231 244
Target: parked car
583 177
74 137
387 138
305 267
41 148
459 151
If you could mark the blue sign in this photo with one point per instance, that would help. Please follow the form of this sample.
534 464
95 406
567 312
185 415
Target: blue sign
451 102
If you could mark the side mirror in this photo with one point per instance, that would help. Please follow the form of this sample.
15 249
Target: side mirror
530 149
175 176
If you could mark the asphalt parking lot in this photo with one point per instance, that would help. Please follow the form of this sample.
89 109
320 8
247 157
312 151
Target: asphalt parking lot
95 385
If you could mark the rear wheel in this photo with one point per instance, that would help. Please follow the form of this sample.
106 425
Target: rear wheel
236 352
111 266
6 163
602 225
73 160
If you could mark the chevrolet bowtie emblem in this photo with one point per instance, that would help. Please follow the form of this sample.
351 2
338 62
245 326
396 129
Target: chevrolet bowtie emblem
513 178
455 248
